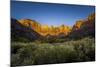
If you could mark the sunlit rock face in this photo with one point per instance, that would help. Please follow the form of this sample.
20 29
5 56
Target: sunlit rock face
21 32
78 24
45 30
89 22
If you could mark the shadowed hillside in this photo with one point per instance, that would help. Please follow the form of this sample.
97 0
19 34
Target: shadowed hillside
31 30
22 33
83 28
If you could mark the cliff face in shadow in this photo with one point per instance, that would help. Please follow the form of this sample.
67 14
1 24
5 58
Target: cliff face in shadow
22 33
27 29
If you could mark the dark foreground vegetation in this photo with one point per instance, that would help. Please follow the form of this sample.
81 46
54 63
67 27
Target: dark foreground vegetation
33 53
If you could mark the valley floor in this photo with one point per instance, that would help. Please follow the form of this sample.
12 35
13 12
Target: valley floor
33 53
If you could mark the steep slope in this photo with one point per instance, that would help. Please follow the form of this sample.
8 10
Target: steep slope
32 30
22 33
78 24
45 30
84 28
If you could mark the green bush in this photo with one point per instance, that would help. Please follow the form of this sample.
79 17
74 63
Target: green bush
49 53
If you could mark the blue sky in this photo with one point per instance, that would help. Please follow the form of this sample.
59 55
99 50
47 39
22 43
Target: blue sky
50 14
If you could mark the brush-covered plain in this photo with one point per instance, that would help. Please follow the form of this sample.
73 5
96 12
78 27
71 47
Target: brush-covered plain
34 53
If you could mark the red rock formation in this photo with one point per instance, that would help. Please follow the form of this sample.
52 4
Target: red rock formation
45 29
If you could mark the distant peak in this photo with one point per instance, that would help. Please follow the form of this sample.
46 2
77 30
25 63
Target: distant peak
26 19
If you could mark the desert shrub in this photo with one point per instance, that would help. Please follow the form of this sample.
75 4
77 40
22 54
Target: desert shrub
16 46
85 49
48 53
15 59
24 54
